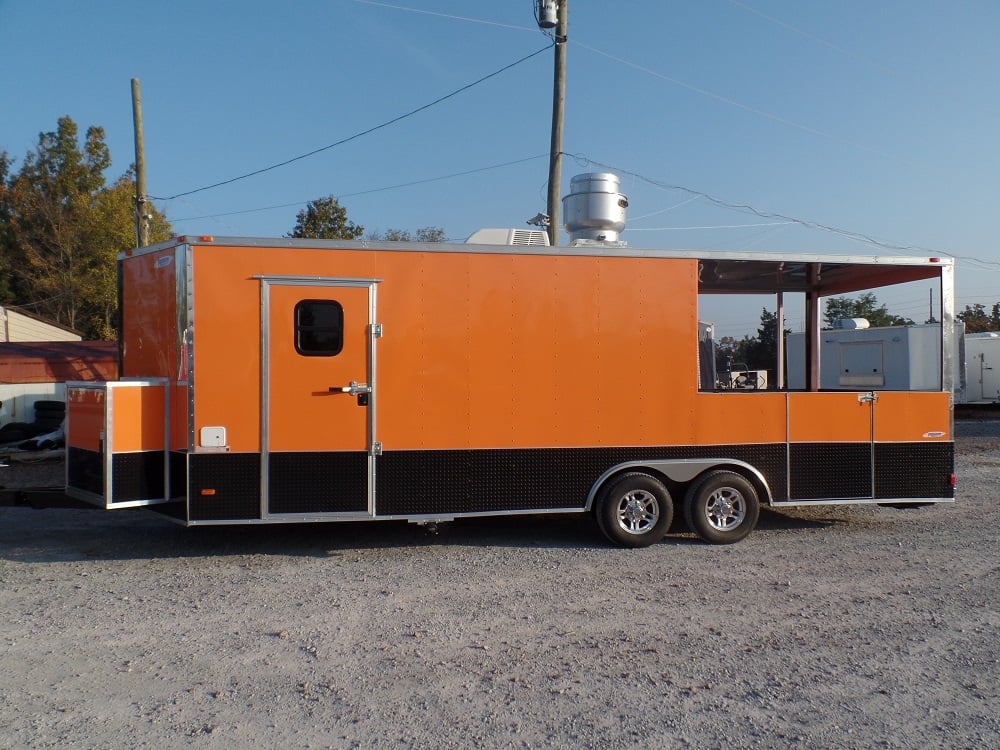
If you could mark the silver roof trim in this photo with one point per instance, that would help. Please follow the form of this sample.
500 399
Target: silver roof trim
588 250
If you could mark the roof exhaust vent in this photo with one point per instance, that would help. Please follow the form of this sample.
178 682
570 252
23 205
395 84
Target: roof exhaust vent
594 209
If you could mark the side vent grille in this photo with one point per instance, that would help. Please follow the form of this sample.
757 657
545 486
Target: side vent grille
529 237
536 237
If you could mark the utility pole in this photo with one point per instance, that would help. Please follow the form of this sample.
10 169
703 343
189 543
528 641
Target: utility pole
141 216
558 105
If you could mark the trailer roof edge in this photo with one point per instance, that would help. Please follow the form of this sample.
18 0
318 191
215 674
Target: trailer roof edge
578 250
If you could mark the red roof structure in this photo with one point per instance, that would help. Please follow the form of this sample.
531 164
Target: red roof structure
58 361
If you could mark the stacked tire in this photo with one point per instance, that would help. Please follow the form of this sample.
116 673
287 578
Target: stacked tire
49 415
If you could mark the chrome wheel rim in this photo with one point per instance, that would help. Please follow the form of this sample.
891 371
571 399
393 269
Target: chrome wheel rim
638 511
726 509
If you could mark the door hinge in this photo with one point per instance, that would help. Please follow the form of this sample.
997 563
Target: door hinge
376 449
376 330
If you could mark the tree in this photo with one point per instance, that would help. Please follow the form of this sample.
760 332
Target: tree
112 231
431 234
325 219
63 228
977 321
6 293
763 352
47 204
424 234
758 352
865 306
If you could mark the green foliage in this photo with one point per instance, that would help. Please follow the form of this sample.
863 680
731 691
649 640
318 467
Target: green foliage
63 227
112 231
325 219
977 320
430 234
865 306
6 269
390 235
758 352
424 234
762 354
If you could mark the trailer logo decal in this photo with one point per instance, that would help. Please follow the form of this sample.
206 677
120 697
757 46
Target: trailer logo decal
164 261
935 434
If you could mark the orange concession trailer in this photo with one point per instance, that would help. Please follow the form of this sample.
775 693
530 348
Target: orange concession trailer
267 381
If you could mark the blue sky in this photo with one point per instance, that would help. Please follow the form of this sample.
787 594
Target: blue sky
876 117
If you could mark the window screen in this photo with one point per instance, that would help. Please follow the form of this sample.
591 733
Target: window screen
319 328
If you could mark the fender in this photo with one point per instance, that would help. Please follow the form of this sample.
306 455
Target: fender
682 471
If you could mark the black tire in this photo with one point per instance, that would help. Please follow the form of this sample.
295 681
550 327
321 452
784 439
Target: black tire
14 432
34 430
50 406
722 507
634 510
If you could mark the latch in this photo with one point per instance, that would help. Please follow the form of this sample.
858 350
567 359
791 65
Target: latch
353 389
361 390
867 398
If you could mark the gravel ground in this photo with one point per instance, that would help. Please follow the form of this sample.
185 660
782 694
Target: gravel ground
847 627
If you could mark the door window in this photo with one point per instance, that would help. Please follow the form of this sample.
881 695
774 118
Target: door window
319 328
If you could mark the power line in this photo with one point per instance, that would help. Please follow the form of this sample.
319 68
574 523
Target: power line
372 190
665 210
712 226
741 105
807 34
747 208
989 265
447 15
357 135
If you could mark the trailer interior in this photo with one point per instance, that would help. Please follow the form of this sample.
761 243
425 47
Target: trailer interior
798 289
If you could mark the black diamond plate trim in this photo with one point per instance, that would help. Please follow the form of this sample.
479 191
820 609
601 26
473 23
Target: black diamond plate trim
914 469
318 482
137 476
830 470
235 478
426 482
481 481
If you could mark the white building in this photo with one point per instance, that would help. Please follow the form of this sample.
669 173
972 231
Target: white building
20 325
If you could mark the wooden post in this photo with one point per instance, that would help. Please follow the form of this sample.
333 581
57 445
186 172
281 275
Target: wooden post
141 215
558 105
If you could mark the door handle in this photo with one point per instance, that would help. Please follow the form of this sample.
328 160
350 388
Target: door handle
354 389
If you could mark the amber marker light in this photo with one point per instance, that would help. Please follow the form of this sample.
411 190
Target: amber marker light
206 238
207 493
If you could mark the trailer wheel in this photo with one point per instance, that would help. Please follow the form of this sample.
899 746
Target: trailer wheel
635 510
722 507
